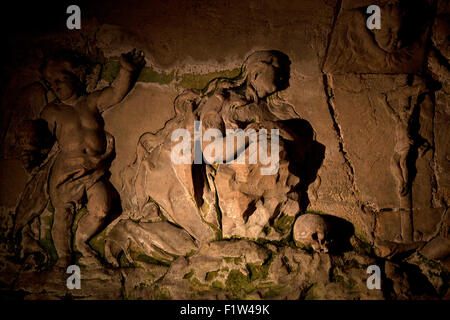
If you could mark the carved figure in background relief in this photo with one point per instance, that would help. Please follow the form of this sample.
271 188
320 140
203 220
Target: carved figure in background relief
409 144
75 172
397 47
403 145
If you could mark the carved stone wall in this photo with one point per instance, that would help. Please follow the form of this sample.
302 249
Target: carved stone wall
364 149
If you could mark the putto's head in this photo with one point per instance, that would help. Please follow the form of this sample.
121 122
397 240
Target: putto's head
267 72
402 23
63 75
388 37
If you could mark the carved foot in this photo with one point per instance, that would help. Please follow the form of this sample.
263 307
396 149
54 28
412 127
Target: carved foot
90 262
89 259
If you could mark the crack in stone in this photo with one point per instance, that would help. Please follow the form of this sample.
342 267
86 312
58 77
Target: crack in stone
436 200
123 291
434 184
330 35
328 87
442 230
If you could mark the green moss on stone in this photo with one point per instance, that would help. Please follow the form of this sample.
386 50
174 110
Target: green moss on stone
234 260
110 70
237 260
190 253
46 241
267 230
211 275
311 293
304 246
98 243
50 207
260 272
284 223
238 283
124 263
197 285
363 245
199 81
78 215
149 75
315 212
350 283
162 294
273 292
189 274
338 278
257 271
434 268
141 257
218 285
285 261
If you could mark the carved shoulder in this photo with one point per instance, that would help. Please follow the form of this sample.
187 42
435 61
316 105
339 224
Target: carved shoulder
49 114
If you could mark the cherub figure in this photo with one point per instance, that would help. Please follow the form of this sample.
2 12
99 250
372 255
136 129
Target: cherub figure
77 174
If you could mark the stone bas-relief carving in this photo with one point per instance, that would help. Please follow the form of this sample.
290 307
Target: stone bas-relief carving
397 47
407 144
75 172
403 104
366 136
224 199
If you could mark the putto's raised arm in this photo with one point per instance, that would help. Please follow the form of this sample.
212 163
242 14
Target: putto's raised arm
131 64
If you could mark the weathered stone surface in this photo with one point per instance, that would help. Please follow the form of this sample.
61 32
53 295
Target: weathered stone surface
159 240
442 121
138 280
371 148
149 99
355 94
240 190
440 34
51 284
436 274
438 249
356 49
287 273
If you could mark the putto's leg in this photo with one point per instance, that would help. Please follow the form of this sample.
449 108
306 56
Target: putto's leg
98 207
62 234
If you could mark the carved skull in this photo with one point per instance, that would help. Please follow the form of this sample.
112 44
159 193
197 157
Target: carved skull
312 229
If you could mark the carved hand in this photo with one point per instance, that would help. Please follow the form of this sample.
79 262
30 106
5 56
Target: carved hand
133 60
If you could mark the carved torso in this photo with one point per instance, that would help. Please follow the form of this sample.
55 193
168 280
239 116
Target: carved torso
79 129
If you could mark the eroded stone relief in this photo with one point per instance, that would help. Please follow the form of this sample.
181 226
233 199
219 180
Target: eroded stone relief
74 173
215 201
362 118
397 47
